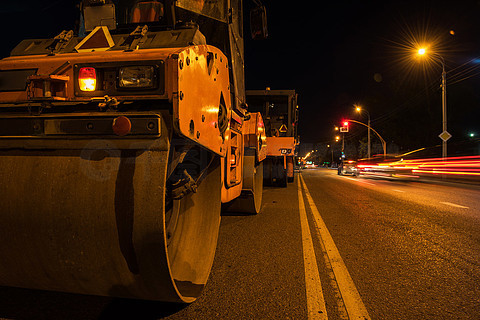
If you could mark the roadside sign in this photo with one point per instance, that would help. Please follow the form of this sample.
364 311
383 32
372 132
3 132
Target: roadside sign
445 135
283 128
343 129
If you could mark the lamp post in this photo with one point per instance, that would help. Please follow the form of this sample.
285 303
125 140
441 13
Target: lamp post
444 135
360 109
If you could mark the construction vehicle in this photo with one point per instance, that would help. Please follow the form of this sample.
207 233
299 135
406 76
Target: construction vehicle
118 149
280 113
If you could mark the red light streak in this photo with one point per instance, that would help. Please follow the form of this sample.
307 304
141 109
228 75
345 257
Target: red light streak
459 166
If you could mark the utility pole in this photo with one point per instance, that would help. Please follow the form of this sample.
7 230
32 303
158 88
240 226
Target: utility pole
444 110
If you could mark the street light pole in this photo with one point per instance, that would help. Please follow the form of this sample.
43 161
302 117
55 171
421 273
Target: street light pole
444 135
369 153
369 150
444 108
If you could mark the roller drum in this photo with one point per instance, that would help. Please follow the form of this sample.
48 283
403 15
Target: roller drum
93 222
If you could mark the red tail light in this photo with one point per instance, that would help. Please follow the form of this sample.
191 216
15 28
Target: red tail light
87 79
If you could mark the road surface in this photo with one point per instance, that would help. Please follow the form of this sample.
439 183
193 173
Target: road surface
325 247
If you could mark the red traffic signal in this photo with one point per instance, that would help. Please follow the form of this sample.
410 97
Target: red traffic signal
344 127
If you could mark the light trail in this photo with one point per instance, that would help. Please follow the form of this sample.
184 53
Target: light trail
468 166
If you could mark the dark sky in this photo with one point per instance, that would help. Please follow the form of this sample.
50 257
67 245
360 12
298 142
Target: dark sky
339 53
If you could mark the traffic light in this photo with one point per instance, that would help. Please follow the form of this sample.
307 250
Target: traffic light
345 124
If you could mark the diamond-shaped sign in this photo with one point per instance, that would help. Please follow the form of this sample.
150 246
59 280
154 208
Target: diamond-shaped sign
445 135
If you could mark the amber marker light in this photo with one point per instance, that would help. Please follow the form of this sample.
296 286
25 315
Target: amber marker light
87 79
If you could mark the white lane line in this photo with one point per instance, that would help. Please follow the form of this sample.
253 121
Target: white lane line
454 205
396 190
360 181
351 298
315 301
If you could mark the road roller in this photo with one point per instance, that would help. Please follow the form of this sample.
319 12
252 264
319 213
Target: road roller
120 144
280 113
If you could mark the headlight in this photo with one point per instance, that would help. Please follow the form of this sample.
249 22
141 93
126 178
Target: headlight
136 77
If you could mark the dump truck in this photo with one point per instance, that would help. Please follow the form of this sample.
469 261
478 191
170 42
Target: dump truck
280 113
121 142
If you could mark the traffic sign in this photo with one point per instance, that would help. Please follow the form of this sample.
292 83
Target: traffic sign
283 128
445 135
343 129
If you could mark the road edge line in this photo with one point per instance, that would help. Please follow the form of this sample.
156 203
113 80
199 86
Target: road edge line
351 297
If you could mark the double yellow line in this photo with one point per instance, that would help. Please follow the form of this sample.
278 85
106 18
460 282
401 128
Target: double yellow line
349 296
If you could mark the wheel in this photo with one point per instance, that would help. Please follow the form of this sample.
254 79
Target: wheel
250 200
101 221
192 223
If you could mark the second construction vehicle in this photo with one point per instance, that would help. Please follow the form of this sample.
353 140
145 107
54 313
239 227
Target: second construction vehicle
280 113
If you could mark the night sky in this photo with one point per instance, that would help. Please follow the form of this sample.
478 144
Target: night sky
360 52
339 53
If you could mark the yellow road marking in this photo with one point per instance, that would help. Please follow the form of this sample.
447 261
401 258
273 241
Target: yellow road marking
315 301
351 298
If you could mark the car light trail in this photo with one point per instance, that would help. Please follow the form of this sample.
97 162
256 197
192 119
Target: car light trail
468 166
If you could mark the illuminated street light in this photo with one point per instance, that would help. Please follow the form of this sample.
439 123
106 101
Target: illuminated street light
444 135
359 110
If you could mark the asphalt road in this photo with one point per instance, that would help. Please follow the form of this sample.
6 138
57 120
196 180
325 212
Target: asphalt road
325 247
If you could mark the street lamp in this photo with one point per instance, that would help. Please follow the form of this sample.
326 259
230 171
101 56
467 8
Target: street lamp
359 110
444 135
